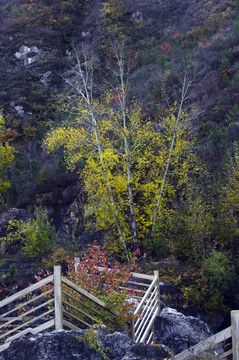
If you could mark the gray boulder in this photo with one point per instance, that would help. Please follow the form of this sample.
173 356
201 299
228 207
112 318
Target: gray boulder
179 331
69 345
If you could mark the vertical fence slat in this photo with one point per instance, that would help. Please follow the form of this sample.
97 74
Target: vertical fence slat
235 334
156 274
77 261
132 330
153 337
58 298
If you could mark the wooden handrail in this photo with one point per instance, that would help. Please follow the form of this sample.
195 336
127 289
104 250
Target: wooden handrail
25 314
133 274
141 304
70 325
89 296
140 334
151 322
69 308
35 330
81 303
26 291
27 323
26 303
147 309
205 344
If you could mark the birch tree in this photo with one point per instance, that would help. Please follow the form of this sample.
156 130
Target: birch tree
180 123
124 155
6 158
87 136
123 87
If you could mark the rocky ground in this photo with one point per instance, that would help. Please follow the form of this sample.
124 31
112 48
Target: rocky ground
174 332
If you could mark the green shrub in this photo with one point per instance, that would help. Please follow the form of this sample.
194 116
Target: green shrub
59 257
36 235
7 278
225 80
90 338
225 63
147 57
221 277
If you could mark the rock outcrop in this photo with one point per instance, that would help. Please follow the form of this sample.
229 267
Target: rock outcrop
72 345
179 331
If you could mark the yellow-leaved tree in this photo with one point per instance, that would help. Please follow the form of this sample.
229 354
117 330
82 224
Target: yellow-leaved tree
6 158
229 202
133 166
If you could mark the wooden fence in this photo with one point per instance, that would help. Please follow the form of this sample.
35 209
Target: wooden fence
146 311
199 350
29 310
147 297
56 302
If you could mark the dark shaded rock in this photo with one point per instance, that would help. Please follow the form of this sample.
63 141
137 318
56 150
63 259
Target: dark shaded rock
146 352
235 53
118 344
68 345
10 215
170 292
74 219
178 331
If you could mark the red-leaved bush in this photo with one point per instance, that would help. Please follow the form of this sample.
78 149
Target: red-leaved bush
109 283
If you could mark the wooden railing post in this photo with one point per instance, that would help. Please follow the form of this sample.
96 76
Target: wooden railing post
132 330
153 331
235 334
58 298
156 274
77 261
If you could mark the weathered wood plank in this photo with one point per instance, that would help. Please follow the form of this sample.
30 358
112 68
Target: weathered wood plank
136 275
4 346
25 304
137 283
69 325
35 330
82 303
205 344
235 334
89 296
43 327
141 328
143 276
150 339
149 326
18 318
76 318
146 295
132 329
58 298
147 306
26 291
156 274
225 354
27 323
79 311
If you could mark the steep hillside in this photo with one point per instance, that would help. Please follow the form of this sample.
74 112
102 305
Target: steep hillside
168 45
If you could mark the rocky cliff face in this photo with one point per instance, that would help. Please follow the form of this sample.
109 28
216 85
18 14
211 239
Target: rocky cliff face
36 50
68 345
174 332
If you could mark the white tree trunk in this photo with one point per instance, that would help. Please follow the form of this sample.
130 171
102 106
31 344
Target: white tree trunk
185 88
122 103
86 93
